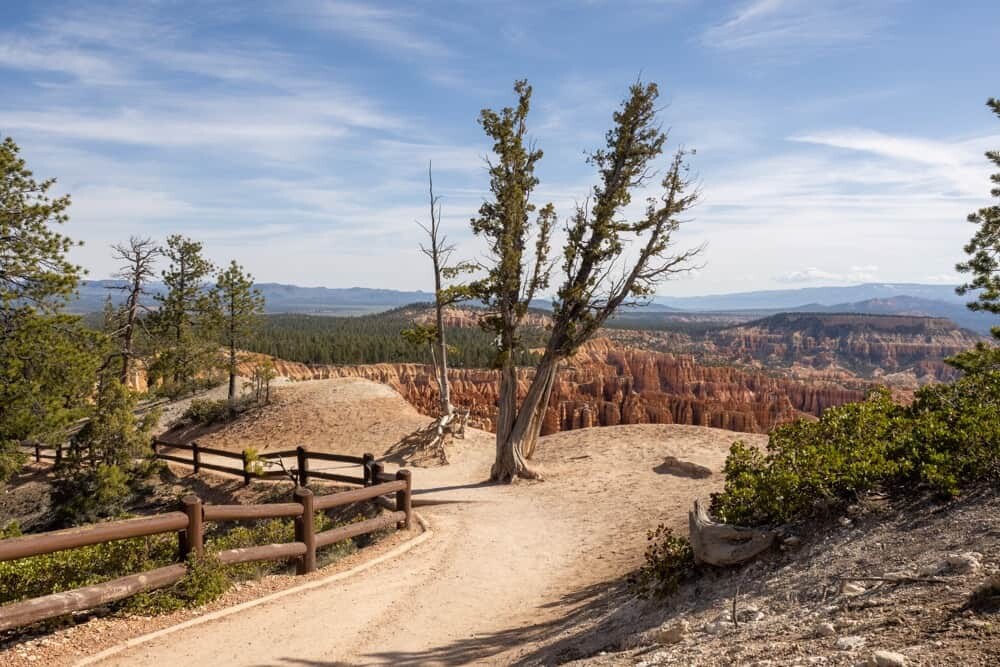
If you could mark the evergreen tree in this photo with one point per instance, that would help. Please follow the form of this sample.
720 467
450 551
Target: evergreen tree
984 266
984 247
513 279
97 477
47 359
238 309
599 279
184 319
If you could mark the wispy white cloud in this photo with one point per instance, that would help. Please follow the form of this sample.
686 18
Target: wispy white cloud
812 274
22 54
956 166
140 68
778 24
387 29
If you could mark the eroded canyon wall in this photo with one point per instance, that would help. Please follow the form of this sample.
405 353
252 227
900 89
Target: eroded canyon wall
606 385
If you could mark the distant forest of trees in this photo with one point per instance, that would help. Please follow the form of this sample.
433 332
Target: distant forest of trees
369 339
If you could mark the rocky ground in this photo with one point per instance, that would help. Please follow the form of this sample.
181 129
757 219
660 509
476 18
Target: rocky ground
884 586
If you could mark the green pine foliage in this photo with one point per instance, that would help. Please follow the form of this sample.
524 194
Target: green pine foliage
183 324
947 439
48 360
100 475
372 339
236 312
669 562
984 247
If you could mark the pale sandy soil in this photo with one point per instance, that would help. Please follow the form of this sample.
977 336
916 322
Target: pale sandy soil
509 569
345 416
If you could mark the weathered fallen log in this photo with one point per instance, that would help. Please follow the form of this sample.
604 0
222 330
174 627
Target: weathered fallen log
721 544
674 466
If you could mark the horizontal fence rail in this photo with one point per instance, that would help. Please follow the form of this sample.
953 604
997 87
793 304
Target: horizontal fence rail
85 536
189 524
250 466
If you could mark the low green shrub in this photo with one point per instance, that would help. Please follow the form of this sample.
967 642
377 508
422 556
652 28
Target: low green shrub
206 580
73 568
207 411
669 562
272 531
947 438
11 529
175 390
954 436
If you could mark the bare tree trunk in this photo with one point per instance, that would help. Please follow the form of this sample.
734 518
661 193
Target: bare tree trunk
533 409
232 377
439 252
516 442
509 462
131 316
139 255
442 364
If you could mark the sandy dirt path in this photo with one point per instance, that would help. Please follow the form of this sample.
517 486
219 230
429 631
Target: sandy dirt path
510 573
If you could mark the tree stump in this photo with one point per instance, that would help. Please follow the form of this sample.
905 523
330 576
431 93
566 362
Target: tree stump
721 544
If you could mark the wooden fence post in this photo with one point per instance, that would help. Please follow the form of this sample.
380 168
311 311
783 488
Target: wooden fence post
377 470
58 456
246 468
366 462
38 452
302 457
192 538
305 531
195 457
404 502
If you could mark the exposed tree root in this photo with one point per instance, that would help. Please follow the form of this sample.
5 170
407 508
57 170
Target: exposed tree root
425 447
509 477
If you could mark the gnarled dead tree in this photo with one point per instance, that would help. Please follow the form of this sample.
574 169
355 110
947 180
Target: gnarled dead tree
721 544
439 250
138 258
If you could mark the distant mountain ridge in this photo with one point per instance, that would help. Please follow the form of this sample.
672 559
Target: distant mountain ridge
911 305
278 298
823 296
874 298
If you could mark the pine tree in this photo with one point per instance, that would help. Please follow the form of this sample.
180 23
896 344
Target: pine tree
984 247
238 309
97 476
599 279
183 320
984 266
47 359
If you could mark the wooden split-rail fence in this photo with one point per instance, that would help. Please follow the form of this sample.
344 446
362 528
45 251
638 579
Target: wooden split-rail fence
252 465
189 524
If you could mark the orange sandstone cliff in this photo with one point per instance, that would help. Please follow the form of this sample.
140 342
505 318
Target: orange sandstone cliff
606 385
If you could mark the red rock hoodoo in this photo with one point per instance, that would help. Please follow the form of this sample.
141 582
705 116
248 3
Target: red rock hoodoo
606 385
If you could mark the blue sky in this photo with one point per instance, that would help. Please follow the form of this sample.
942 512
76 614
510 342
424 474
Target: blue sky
838 141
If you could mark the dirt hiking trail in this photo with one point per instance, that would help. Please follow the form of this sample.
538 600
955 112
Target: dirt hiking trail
511 573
